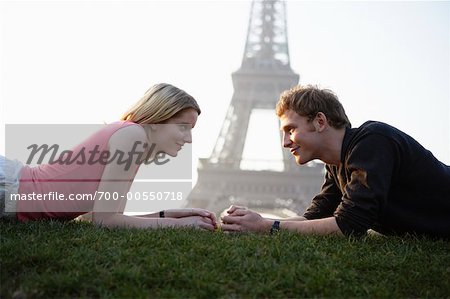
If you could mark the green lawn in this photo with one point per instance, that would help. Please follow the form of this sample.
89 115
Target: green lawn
62 260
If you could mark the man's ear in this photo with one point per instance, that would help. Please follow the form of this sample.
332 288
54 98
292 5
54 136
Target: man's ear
320 122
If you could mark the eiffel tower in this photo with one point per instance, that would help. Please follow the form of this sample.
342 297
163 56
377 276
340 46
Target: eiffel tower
264 73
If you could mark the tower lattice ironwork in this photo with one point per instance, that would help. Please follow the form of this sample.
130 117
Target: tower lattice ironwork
264 73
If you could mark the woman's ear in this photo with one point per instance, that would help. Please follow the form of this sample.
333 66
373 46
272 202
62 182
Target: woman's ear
153 127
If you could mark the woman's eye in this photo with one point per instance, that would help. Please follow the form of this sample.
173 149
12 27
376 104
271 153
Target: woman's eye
183 127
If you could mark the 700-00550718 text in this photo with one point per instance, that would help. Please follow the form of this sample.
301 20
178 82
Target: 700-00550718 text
145 195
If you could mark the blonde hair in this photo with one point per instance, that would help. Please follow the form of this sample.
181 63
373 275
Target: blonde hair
159 103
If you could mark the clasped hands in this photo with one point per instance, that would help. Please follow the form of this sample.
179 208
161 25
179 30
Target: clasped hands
239 219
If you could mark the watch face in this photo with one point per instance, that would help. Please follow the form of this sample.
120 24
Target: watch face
275 227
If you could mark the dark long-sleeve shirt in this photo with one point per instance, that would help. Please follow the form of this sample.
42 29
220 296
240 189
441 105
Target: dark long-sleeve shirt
387 182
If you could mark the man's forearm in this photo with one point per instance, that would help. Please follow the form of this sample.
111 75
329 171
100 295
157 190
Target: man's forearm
325 226
295 218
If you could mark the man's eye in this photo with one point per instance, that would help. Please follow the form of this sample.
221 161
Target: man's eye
291 131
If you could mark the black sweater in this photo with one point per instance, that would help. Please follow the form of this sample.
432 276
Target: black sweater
387 182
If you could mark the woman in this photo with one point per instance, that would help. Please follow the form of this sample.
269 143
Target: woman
160 122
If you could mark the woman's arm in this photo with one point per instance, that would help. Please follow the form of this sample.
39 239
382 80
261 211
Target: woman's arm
182 213
117 178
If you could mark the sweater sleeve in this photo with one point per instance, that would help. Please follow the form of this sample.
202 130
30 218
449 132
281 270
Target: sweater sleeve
369 165
325 203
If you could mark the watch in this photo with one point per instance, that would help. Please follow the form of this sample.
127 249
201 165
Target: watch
275 227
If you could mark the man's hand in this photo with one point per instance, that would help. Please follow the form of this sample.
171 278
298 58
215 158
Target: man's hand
233 208
240 219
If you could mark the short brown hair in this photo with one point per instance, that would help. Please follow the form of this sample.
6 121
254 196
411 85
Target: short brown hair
309 100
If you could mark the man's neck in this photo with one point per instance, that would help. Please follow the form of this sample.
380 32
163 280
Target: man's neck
333 139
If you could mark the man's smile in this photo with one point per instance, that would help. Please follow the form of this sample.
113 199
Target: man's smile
294 149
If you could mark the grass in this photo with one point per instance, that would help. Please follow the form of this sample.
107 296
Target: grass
66 260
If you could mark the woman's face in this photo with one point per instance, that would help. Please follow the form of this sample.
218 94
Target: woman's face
171 135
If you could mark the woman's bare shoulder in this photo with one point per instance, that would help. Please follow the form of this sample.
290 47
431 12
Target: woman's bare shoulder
128 135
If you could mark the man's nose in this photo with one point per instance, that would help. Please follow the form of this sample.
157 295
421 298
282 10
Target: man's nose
286 140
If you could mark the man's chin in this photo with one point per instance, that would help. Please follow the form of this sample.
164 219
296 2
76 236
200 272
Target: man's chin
299 161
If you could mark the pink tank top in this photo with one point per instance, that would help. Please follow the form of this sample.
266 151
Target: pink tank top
69 181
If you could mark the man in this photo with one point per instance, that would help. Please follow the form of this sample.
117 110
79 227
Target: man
377 177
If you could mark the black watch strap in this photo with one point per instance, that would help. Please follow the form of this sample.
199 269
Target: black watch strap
275 227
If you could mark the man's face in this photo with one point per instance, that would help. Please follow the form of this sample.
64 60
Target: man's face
300 136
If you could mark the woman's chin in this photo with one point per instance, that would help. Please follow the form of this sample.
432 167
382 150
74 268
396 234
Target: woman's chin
172 153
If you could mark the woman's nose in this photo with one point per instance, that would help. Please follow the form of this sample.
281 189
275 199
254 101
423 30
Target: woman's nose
188 137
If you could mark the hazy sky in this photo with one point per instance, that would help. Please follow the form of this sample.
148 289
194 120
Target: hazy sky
87 62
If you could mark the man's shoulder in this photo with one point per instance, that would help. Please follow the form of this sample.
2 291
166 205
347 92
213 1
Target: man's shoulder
377 128
372 136
376 136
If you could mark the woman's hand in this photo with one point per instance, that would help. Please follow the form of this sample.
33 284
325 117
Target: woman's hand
197 222
183 213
